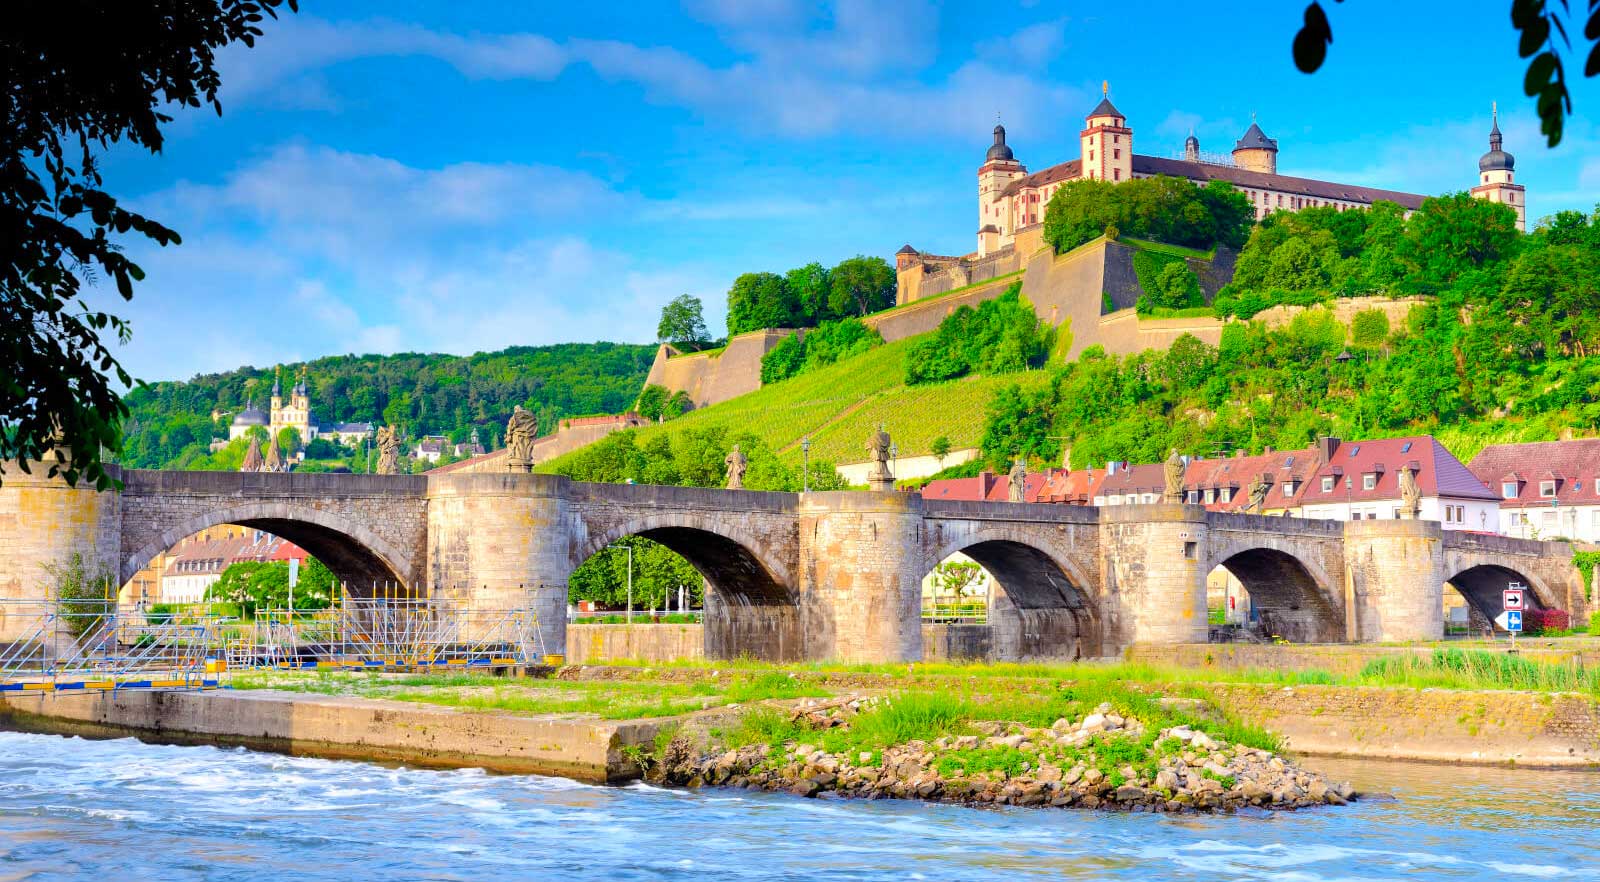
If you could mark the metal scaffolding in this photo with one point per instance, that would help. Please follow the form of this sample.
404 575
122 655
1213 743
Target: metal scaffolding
50 645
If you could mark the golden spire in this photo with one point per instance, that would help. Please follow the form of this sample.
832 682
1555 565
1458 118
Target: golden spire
1105 88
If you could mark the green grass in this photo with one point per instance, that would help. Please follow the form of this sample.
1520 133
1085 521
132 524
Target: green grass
1164 248
1014 274
1476 669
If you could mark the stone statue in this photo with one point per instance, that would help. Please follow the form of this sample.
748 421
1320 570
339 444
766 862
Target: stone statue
1172 470
252 457
737 464
1017 481
1410 494
1258 495
879 477
521 429
388 451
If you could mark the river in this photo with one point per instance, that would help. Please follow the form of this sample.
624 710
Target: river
75 809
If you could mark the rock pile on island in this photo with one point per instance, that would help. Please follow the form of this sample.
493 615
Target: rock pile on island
1099 762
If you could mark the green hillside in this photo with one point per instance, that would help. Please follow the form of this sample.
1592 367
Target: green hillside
170 423
1503 349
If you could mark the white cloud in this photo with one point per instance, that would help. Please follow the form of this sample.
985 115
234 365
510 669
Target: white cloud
798 75
1033 46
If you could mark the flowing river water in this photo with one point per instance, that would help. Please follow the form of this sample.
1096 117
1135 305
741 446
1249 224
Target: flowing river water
102 810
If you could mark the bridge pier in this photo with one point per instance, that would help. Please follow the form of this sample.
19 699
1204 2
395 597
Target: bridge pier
1394 581
495 541
1155 585
43 523
861 572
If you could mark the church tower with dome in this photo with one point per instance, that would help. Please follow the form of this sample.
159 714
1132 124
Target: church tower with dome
1497 175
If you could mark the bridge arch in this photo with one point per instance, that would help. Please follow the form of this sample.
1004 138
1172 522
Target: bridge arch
1293 596
1479 581
752 608
1045 608
354 554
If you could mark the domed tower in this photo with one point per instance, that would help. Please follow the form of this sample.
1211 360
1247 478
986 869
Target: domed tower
999 169
1497 175
1191 148
1255 151
1107 142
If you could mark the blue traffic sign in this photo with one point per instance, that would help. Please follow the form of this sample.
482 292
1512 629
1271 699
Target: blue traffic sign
1513 620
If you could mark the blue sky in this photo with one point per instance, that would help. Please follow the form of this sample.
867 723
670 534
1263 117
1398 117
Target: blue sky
420 176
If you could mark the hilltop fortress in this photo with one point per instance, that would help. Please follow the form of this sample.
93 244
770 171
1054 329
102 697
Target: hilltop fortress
1089 293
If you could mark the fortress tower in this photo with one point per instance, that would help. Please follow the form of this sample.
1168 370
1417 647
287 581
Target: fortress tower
1497 174
1255 151
999 169
1107 142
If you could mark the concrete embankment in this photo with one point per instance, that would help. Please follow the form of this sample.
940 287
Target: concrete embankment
344 727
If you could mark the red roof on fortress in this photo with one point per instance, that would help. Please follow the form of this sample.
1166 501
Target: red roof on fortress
1239 177
1438 472
1573 466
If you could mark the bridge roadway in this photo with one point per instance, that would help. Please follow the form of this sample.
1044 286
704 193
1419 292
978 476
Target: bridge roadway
832 575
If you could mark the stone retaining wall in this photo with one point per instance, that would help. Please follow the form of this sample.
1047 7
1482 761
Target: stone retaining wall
1439 725
1342 659
597 644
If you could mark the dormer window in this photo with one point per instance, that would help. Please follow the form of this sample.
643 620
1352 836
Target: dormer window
1369 481
1289 487
1194 497
1327 484
1547 489
1211 496
1227 494
1508 490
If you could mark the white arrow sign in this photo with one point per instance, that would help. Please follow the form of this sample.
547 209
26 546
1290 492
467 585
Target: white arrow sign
1510 620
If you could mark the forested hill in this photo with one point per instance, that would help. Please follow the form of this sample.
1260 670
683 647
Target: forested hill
171 426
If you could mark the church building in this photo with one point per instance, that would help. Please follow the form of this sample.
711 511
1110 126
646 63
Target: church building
1010 198
295 413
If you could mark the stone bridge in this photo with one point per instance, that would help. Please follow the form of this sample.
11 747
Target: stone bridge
813 575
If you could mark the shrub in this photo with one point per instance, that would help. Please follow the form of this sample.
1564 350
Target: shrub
1594 624
1545 621
1001 336
84 593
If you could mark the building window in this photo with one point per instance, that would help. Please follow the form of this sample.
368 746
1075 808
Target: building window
1547 489
1211 496
1397 513
1508 490
1288 488
1194 498
1116 174
1594 519
1549 518
1369 481
1327 485
1116 153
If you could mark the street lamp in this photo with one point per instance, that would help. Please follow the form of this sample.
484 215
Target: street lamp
629 549
805 464
894 453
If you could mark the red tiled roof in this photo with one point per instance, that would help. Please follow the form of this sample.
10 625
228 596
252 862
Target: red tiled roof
1204 171
1439 473
1573 465
1239 472
1141 479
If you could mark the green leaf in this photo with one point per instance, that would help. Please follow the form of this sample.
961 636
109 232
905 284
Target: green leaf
1540 70
1533 36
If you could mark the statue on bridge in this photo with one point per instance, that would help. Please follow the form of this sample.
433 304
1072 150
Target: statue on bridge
879 476
1258 495
1172 470
1410 494
388 451
252 457
737 463
1017 480
521 430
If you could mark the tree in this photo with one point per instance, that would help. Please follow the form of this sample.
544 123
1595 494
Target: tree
761 300
940 449
682 323
288 440
861 285
79 77
254 584
1177 287
1369 328
810 284
1538 22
